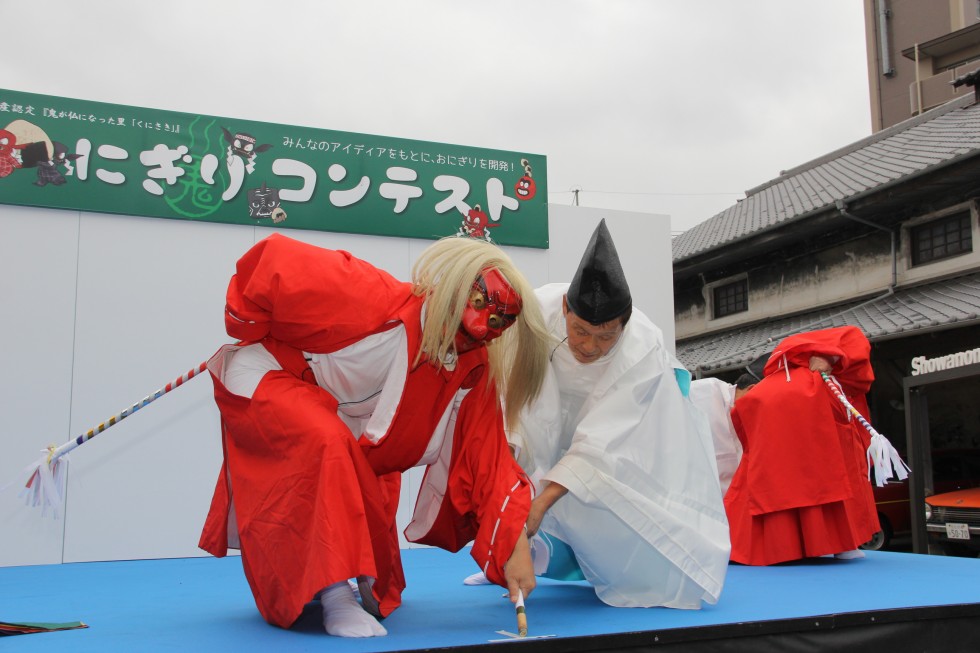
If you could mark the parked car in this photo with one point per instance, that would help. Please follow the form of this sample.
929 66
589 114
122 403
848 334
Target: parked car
893 505
952 469
953 522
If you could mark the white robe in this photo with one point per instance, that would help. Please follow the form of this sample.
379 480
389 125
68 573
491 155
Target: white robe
644 512
716 399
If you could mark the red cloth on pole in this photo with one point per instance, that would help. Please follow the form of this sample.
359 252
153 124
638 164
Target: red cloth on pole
802 487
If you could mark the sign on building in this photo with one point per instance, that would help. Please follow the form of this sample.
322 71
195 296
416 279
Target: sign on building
923 365
81 155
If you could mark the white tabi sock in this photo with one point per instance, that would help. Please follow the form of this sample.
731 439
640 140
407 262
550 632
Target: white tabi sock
343 616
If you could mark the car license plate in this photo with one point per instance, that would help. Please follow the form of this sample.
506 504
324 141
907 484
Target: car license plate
958 531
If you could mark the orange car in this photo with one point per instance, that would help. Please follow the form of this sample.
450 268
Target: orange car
953 522
953 469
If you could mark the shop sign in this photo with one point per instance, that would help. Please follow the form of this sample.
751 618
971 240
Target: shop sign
923 365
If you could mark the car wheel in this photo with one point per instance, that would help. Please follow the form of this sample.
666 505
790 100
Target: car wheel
882 538
876 543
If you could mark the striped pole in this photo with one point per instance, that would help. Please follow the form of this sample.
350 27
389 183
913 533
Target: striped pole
881 454
45 477
829 380
115 419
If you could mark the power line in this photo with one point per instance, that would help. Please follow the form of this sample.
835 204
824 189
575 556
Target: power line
576 192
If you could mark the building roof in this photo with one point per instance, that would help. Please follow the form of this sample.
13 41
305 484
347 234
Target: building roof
923 144
909 311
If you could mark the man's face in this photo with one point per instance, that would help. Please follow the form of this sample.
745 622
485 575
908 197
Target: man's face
492 307
590 342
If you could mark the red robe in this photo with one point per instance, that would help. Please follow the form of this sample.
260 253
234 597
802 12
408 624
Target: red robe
311 504
802 489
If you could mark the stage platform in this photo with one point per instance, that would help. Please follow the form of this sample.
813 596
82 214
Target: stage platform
885 602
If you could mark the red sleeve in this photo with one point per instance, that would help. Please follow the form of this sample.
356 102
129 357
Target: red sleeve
488 494
311 298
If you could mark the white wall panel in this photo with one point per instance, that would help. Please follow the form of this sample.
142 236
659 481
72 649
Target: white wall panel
38 260
150 307
100 311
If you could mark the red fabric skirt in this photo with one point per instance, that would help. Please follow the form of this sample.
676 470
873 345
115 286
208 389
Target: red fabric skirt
792 534
310 510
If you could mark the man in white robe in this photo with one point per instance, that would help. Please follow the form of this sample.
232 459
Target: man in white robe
628 495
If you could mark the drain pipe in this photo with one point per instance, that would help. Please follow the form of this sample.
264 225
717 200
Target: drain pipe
842 209
886 61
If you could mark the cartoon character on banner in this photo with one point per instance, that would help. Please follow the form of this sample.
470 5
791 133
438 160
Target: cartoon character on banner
9 156
47 171
31 147
243 146
32 144
525 187
264 203
475 224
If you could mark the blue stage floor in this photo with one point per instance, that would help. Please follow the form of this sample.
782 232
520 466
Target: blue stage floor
203 604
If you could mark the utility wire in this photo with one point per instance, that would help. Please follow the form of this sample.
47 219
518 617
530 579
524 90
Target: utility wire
575 192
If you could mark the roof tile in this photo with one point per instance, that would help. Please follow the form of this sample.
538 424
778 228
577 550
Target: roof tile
925 141
922 308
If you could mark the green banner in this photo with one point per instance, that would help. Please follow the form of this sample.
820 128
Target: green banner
76 154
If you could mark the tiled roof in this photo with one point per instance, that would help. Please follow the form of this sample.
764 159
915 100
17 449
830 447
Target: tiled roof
936 138
921 309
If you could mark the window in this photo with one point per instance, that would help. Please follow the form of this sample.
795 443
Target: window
940 239
731 298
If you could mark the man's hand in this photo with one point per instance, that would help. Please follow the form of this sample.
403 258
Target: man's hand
534 517
541 504
519 571
820 364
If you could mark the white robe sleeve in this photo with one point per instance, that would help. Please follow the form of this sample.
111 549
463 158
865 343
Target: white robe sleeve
715 399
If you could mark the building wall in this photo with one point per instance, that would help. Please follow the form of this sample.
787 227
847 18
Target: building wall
785 285
782 286
101 311
896 97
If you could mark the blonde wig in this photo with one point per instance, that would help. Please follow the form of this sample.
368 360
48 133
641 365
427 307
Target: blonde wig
444 275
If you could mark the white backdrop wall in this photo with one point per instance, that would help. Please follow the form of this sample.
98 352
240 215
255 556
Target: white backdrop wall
98 311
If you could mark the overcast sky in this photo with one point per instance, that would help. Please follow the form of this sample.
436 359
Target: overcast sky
669 107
